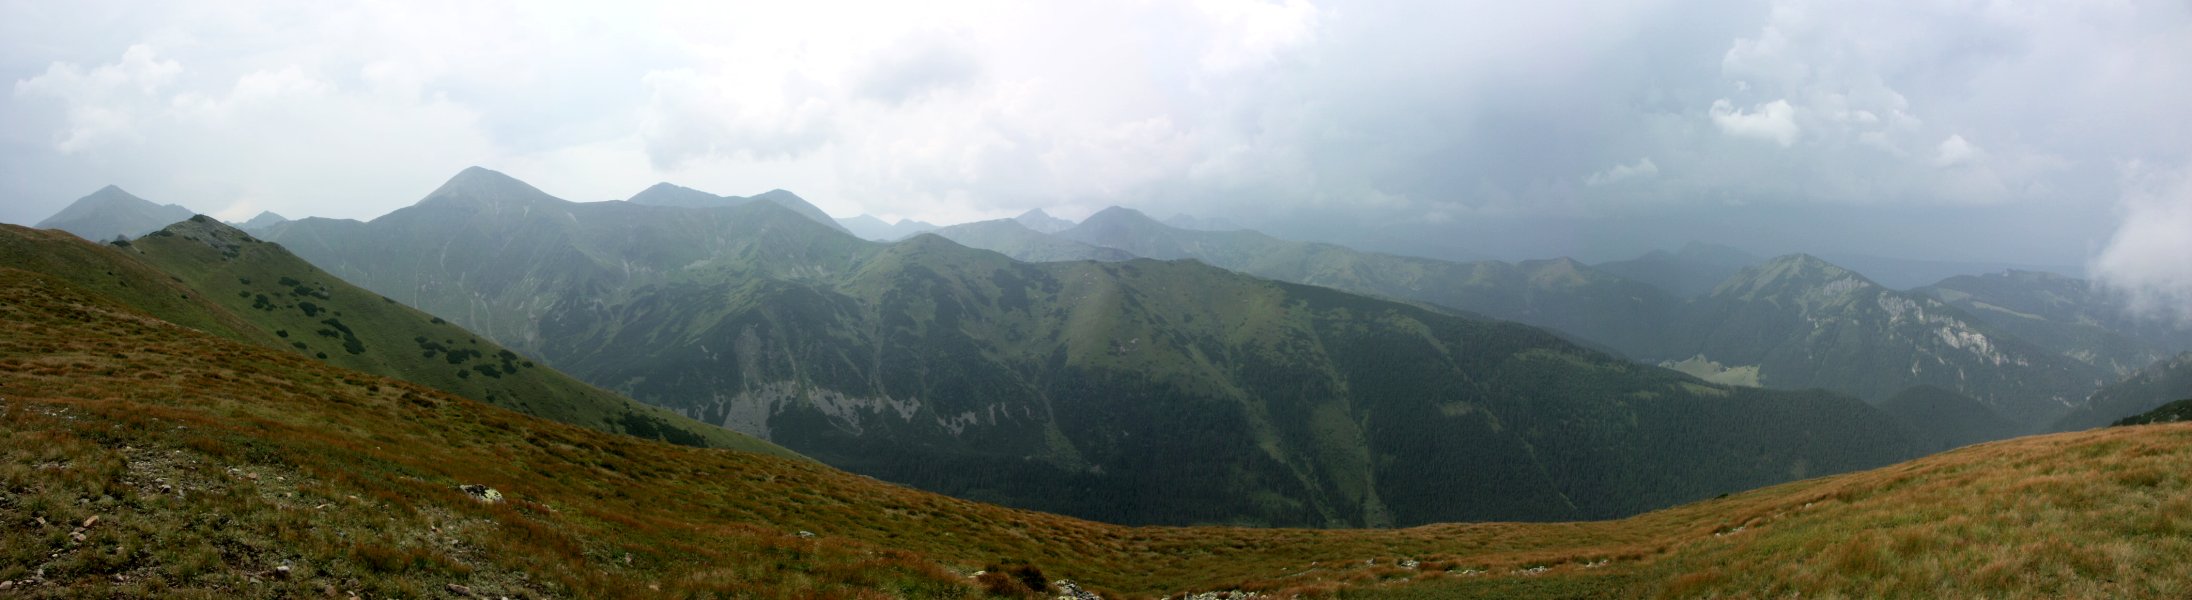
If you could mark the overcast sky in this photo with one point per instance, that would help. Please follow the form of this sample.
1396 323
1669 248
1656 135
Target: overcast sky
2046 132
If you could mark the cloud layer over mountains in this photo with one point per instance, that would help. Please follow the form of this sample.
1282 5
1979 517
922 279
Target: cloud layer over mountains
1933 129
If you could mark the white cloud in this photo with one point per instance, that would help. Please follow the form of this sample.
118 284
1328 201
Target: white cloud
1955 151
103 102
2145 259
1773 121
1253 32
1643 169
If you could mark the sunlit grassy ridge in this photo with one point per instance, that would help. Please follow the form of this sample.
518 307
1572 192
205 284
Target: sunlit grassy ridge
206 275
210 464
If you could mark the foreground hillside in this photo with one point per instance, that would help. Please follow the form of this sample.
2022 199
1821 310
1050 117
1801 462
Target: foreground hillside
141 459
212 277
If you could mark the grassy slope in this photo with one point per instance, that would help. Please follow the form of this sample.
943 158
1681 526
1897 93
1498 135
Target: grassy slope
274 459
209 276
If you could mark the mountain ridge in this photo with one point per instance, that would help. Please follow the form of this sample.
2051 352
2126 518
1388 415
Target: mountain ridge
1062 385
111 212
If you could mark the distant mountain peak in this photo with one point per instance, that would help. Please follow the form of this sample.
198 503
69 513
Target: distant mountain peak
265 219
110 212
479 186
1041 221
670 194
1121 214
777 195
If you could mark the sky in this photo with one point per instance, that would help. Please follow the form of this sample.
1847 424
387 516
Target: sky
2039 132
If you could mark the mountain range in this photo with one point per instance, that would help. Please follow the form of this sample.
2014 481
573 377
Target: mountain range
147 458
1792 322
1038 376
1141 391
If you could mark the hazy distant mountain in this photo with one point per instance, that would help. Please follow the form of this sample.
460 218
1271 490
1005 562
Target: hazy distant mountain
1041 221
1187 221
1011 238
111 212
1792 323
1803 322
1137 391
2158 384
2067 315
1689 272
1559 293
264 220
665 194
871 228
1906 273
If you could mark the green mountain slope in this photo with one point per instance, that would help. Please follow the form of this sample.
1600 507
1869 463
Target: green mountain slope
2157 384
111 212
206 275
1142 391
2067 315
1802 322
140 459
1011 238
1943 419
2176 411
1559 294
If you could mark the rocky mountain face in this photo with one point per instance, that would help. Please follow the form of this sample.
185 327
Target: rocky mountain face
110 213
1139 391
1803 322
2071 316
2158 384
